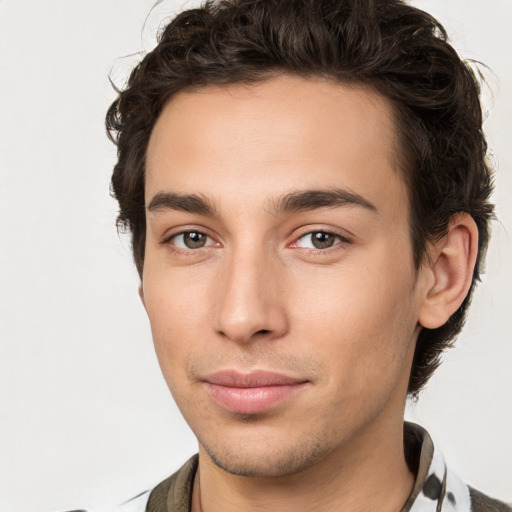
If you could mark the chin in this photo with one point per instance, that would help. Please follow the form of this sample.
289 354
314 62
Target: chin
266 461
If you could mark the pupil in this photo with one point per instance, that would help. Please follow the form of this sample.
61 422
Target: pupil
193 240
322 240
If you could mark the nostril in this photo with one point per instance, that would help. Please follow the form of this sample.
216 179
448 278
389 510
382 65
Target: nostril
263 331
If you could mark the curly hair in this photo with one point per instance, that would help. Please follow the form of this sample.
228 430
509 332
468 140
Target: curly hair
399 51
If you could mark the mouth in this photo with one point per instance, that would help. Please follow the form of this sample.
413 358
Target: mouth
251 393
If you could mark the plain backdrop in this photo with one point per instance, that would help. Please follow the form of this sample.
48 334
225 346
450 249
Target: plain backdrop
85 417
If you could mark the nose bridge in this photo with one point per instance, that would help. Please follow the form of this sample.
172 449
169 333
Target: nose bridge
249 298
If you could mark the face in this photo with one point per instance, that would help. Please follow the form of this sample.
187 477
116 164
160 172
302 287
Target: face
278 275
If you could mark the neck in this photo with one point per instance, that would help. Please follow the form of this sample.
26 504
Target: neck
368 473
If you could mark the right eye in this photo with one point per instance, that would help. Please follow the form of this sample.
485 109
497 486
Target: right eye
191 240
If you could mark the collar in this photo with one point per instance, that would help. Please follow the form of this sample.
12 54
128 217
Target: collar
436 489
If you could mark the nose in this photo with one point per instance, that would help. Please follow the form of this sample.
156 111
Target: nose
250 298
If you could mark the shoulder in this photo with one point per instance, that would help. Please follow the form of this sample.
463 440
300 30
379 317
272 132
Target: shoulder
437 487
171 495
482 503
174 493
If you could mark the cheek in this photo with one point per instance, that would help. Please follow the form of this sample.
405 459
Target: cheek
360 321
174 298
176 308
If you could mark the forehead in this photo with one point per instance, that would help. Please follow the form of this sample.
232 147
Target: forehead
285 132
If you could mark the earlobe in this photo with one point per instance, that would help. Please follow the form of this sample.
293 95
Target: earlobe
451 268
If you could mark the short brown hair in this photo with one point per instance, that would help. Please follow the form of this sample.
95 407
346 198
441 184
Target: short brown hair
399 51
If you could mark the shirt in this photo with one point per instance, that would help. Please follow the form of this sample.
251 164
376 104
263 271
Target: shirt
436 488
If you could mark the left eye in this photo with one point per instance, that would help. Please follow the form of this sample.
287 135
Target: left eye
318 240
191 240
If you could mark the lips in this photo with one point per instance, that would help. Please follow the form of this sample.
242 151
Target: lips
251 393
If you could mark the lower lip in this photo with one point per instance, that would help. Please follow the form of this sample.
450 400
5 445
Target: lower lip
251 400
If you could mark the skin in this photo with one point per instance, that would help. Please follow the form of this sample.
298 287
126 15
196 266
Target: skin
258 295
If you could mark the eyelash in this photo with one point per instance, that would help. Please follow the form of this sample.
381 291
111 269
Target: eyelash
341 239
167 242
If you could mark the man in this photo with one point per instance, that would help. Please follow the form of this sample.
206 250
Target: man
307 191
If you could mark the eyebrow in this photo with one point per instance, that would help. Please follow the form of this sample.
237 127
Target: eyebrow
289 203
315 199
190 203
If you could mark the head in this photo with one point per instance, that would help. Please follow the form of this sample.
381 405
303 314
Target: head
388 50
390 47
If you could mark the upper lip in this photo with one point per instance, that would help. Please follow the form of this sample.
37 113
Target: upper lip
254 379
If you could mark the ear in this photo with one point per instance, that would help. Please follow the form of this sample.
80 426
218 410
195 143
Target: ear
450 271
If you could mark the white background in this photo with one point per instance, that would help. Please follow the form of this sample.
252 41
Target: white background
85 417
